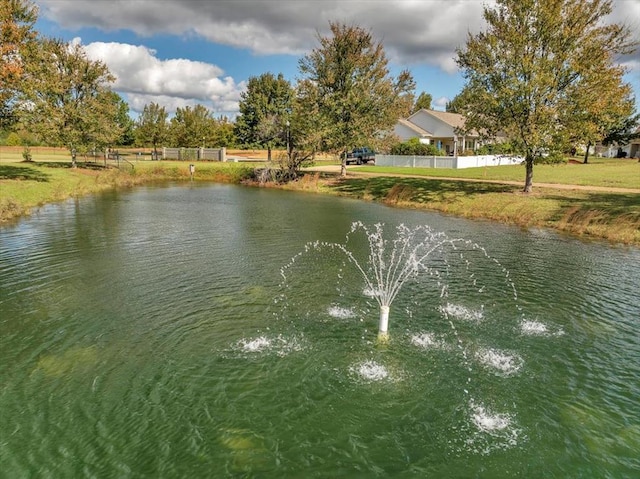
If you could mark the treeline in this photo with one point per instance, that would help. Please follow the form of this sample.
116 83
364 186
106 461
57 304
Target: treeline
53 94
553 87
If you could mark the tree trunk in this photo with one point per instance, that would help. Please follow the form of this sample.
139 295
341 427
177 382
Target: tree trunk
528 181
343 165
269 154
586 153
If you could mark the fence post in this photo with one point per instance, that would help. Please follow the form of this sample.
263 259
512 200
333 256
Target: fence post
223 154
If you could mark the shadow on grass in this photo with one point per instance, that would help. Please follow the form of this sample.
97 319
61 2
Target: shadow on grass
32 171
20 172
88 165
416 189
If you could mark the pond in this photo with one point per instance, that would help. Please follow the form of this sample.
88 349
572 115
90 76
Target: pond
217 331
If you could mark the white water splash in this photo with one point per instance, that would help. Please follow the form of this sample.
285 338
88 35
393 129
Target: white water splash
533 328
506 363
427 341
487 422
370 371
340 312
462 312
492 431
280 345
255 345
536 328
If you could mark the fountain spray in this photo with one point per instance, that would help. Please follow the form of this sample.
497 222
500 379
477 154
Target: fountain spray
392 263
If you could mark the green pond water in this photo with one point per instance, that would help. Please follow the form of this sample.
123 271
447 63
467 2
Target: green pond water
192 331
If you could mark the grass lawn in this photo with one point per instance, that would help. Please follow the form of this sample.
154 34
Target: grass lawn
608 172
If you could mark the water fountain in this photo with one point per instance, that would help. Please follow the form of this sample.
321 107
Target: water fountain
391 263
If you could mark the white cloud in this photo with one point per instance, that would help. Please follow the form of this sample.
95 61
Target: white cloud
441 103
173 83
414 33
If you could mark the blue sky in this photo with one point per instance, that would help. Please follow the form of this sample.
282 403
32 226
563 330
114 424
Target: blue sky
184 52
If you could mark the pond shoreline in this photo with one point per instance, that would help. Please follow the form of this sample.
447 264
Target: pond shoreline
588 213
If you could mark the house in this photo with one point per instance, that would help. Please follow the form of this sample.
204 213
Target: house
439 128
631 149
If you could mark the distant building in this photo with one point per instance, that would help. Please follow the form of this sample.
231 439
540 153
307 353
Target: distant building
439 128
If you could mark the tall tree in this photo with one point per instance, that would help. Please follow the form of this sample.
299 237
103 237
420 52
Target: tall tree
68 98
535 59
123 120
456 104
17 42
152 127
624 132
191 127
223 134
423 101
357 98
265 108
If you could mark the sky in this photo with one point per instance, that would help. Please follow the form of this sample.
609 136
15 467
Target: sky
181 53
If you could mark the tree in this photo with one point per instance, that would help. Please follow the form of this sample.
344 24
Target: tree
265 108
152 128
624 132
67 99
535 60
457 104
123 120
356 97
191 127
424 101
17 41
223 134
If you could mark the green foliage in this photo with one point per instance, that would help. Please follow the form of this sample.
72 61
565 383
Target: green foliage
152 128
190 127
502 148
423 102
13 139
265 109
17 40
623 132
415 148
534 72
554 157
70 102
457 104
346 83
123 120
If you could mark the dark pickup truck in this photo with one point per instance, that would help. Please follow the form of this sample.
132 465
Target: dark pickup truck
361 155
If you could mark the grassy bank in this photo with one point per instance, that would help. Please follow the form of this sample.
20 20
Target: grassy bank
613 216
602 215
27 185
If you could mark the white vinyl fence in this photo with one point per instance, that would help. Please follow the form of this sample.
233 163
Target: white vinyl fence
457 162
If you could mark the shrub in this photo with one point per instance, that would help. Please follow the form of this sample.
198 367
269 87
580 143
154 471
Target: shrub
553 158
504 148
414 147
13 139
